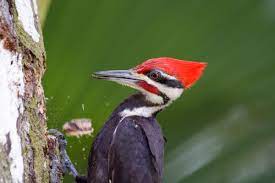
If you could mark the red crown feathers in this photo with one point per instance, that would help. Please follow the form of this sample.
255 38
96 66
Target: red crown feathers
188 72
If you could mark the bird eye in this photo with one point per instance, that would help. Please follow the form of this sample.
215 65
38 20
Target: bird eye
154 75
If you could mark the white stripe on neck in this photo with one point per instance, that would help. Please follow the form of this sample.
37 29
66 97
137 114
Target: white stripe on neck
138 111
144 111
141 111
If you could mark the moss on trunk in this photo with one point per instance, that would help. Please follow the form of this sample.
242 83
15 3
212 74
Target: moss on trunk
31 124
5 175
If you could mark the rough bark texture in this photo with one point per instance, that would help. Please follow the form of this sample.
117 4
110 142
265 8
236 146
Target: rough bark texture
56 172
31 122
5 175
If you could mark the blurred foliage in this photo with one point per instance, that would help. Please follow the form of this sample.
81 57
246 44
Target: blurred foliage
223 129
43 7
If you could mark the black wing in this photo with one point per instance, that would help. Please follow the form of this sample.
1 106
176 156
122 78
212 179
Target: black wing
136 152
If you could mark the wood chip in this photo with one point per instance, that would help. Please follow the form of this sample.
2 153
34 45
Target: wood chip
78 127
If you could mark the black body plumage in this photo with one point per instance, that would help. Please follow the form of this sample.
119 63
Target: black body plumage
128 149
130 146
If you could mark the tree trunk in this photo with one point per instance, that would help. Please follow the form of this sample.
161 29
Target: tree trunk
24 154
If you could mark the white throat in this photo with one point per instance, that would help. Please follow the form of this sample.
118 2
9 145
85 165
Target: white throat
146 111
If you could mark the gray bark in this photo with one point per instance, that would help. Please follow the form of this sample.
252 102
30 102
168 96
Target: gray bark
22 50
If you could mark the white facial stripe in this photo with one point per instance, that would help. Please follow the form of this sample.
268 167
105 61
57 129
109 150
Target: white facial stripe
156 99
172 93
167 76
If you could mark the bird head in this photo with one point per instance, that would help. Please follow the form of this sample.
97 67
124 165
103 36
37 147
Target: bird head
160 79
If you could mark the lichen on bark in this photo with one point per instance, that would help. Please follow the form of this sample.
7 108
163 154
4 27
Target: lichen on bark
31 125
5 175
34 142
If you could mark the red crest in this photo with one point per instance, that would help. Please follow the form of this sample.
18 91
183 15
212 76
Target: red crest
188 72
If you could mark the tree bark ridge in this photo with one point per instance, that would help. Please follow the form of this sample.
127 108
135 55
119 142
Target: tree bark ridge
22 47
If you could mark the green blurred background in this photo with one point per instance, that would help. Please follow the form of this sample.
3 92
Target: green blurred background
223 129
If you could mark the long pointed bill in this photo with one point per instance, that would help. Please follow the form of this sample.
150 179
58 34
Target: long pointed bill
125 77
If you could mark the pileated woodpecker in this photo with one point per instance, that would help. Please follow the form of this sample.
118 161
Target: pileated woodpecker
130 146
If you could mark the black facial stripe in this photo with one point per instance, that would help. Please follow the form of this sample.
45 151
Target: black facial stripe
158 76
164 97
170 83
